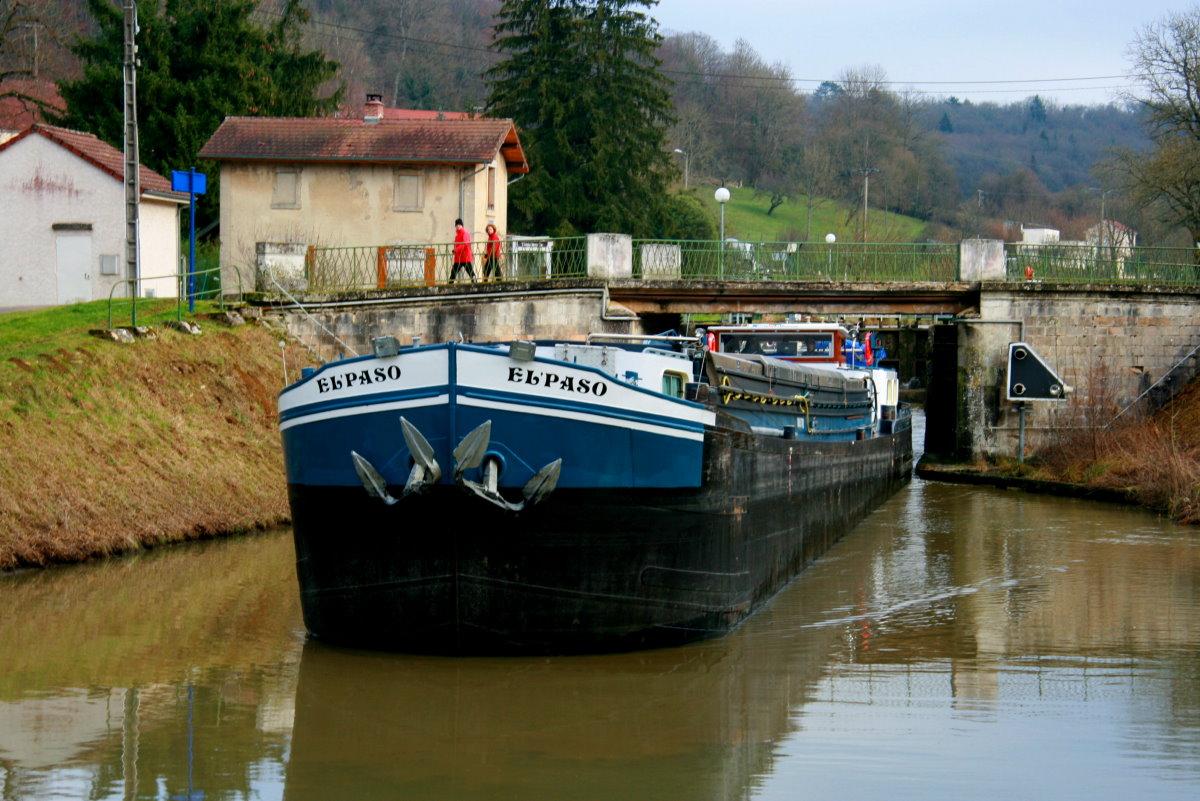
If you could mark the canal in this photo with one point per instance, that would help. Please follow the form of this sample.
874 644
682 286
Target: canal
962 643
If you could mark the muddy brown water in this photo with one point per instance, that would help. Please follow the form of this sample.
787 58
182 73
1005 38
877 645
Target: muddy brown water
961 643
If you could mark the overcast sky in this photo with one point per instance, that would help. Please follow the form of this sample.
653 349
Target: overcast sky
976 49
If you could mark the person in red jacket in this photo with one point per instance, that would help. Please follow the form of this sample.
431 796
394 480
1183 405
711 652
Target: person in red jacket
491 254
463 260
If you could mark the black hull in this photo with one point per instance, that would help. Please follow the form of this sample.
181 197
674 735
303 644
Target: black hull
585 570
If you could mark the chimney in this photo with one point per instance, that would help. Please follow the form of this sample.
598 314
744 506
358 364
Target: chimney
373 110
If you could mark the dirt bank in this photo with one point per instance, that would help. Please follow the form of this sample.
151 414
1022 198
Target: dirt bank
1154 462
109 447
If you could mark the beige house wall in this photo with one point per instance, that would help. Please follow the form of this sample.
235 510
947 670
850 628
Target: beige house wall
349 205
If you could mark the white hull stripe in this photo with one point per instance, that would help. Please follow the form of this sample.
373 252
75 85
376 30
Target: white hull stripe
540 411
583 417
366 408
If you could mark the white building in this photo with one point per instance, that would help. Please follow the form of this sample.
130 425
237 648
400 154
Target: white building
63 233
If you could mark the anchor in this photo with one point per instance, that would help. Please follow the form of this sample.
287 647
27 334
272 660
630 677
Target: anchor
470 454
425 469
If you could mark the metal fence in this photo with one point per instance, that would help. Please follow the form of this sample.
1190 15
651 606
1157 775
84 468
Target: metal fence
546 258
384 267
794 261
1102 264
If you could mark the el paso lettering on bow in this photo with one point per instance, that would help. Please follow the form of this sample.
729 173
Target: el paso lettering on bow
566 383
360 377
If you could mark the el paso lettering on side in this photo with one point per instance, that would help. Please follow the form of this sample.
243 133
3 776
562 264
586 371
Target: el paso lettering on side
376 375
565 383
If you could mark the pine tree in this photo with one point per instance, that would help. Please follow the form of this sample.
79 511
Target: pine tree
580 79
200 61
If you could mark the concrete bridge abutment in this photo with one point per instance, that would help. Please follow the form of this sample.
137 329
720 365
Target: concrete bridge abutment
1109 343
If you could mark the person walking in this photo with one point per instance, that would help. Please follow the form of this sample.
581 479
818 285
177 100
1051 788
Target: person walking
463 260
491 254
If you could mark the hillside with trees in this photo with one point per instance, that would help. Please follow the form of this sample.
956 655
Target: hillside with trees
961 167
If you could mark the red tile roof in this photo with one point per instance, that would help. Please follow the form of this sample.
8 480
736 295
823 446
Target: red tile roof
397 141
101 154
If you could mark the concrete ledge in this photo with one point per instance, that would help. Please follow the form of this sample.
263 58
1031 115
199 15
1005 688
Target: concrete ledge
932 470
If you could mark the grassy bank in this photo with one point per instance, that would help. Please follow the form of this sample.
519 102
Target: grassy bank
111 447
748 217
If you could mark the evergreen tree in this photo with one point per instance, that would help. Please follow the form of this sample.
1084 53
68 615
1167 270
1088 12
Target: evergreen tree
580 80
200 61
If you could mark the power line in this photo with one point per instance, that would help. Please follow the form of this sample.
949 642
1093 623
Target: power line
1019 84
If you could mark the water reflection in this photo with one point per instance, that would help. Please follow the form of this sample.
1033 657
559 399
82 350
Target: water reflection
961 643
150 676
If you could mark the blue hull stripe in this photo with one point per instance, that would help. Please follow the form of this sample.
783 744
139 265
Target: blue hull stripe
629 422
516 402
354 410
429 396
355 404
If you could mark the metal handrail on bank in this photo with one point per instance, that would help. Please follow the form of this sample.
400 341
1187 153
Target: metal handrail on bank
181 295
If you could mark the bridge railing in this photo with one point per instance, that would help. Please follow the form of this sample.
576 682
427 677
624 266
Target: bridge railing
546 258
1102 264
382 267
794 261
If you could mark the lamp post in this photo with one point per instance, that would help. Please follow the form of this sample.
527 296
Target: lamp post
686 163
829 240
722 197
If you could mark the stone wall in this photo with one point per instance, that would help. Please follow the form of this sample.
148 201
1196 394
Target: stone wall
343 328
1109 343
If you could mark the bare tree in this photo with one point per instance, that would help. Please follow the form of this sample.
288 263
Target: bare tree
1167 58
33 55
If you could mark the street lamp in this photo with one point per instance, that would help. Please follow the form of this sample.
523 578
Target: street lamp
722 197
686 159
829 240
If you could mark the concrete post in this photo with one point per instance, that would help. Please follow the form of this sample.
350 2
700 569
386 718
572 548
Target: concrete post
281 264
981 260
609 256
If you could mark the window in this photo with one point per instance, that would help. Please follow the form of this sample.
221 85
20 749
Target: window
672 384
491 188
286 194
406 191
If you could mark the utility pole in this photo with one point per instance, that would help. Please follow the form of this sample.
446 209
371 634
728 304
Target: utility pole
866 174
132 184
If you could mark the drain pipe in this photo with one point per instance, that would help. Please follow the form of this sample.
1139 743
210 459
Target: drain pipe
462 191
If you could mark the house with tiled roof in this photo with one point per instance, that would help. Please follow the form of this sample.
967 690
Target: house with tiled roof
63 233
378 179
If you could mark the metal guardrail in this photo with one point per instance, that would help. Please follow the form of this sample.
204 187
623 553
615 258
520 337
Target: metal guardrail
795 261
383 267
546 258
212 288
1102 264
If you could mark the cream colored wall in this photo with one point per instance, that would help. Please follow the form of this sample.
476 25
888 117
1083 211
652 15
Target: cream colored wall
347 206
159 256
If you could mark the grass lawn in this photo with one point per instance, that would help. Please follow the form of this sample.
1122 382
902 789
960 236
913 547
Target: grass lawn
28 333
746 218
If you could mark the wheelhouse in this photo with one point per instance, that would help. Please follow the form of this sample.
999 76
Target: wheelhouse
794 342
